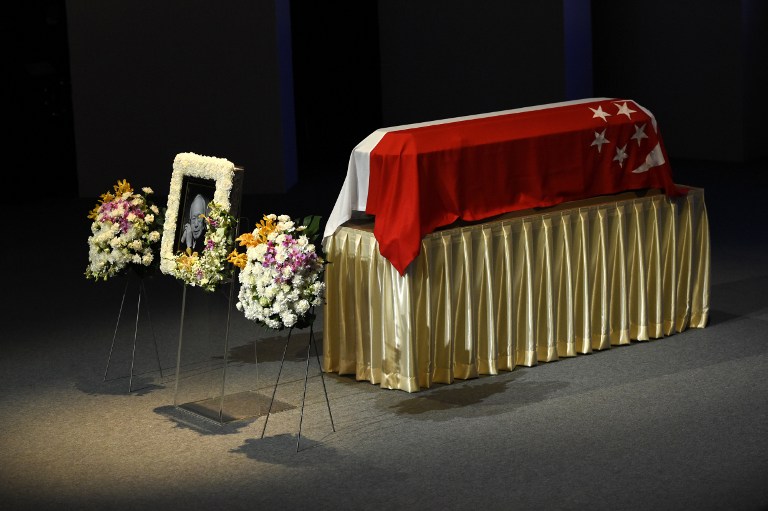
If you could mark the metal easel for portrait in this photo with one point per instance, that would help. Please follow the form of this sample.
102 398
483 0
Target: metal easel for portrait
310 343
214 408
141 291
209 408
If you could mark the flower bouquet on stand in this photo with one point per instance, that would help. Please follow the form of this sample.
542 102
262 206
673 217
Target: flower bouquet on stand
280 273
125 233
125 236
281 282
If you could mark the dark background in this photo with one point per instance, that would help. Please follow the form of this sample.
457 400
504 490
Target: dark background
114 89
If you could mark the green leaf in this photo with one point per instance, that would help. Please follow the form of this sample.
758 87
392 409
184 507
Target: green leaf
312 224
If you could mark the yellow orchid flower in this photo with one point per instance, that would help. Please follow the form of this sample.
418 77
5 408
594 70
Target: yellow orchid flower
248 240
106 197
122 186
265 227
186 260
94 213
237 258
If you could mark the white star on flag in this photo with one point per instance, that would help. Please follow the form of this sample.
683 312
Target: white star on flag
621 155
600 140
624 109
600 113
639 133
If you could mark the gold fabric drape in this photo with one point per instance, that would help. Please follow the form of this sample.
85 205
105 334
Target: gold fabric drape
525 288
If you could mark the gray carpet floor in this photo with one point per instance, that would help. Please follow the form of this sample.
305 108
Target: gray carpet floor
675 423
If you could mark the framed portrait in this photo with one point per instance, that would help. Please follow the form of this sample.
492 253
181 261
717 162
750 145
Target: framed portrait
196 181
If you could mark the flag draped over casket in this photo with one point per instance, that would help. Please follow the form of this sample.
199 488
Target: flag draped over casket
415 179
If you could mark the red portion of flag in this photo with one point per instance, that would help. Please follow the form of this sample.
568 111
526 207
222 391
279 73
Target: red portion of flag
428 177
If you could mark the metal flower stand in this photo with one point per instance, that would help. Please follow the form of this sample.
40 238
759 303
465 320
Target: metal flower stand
310 343
141 291
217 387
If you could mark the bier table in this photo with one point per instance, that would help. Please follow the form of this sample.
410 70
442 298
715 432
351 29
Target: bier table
509 238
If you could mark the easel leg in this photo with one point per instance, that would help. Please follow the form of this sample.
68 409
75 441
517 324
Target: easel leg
152 328
322 378
178 353
311 343
282 361
114 336
226 351
135 333
304 397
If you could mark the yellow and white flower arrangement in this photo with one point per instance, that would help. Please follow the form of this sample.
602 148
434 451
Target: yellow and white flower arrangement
280 272
209 268
125 232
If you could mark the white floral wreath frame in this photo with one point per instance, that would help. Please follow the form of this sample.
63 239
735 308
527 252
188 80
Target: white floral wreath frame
219 170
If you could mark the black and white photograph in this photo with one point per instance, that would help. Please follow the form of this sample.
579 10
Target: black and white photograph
197 194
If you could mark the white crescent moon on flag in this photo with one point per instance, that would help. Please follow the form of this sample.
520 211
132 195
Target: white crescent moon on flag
654 159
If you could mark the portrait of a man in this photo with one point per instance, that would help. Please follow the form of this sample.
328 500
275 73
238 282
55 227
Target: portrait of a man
192 226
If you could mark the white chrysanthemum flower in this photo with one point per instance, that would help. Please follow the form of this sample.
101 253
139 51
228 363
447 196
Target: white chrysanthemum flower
147 190
302 306
154 236
154 209
258 251
285 226
149 218
289 318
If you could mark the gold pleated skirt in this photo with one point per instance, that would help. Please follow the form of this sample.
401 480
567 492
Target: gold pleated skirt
520 289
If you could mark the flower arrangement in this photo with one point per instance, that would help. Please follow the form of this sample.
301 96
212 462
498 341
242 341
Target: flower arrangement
208 269
280 273
125 232
219 170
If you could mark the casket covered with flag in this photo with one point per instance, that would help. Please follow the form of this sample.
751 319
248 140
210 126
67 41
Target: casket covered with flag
415 179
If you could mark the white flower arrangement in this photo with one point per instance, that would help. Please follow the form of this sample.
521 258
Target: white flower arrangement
280 273
219 170
125 233
208 269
